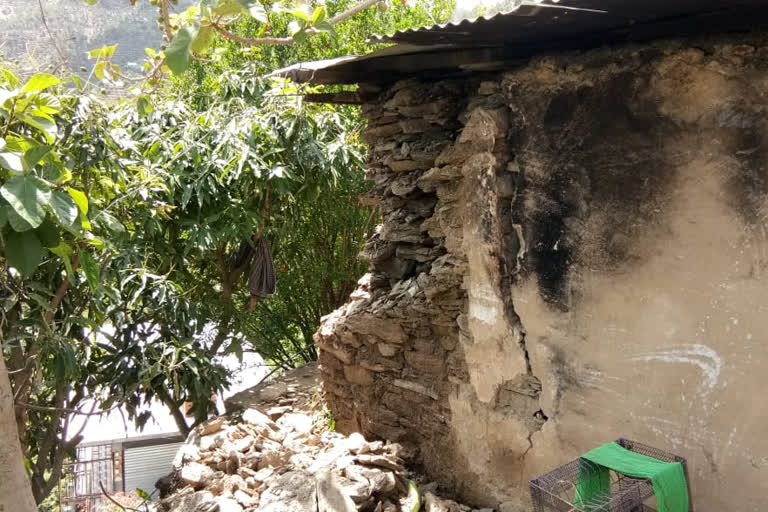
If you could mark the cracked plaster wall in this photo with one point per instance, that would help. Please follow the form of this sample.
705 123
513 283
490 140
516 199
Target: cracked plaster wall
571 252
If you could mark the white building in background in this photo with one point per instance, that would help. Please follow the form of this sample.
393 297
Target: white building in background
115 454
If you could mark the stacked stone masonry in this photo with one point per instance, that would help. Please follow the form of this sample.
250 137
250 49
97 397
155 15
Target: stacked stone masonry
570 252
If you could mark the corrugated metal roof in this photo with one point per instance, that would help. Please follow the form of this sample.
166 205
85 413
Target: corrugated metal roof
533 28
449 32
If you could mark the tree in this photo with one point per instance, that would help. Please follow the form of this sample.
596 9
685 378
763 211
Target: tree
44 221
15 491
201 32
140 212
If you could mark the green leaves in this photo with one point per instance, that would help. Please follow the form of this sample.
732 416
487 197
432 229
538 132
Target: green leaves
203 40
64 251
39 82
144 105
255 9
11 162
64 207
48 234
28 195
105 52
44 125
80 199
91 270
303 13
33 155
23 251
178 53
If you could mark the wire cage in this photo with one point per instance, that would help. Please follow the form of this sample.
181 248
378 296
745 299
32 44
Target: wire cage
557 490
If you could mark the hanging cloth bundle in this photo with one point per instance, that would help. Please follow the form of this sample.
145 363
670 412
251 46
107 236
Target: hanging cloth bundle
261 278
261 281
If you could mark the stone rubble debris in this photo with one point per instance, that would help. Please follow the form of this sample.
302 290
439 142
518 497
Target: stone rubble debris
286 461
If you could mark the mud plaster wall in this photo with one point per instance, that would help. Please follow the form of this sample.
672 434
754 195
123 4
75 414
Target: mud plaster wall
571 252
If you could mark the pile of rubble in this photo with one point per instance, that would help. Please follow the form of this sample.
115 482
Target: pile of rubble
285 461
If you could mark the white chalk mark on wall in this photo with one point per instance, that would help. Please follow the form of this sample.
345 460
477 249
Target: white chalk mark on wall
702 356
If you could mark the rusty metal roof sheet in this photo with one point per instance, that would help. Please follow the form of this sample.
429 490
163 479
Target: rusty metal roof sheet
533 28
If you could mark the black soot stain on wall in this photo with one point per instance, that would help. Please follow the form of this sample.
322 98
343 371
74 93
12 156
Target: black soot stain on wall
600 178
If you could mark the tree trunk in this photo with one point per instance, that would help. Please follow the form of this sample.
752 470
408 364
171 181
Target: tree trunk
173 408
15 490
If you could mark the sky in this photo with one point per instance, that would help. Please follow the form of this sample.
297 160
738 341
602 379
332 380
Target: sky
112 426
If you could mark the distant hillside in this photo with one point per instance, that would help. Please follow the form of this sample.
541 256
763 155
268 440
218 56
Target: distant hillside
78 28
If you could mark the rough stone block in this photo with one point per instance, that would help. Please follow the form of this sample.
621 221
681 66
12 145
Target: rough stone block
383 328
195 474
409 165
358 375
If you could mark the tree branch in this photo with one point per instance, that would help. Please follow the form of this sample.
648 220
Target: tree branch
63 409
166 20
61 291
63 57
352 11
173 408
251 41
262 41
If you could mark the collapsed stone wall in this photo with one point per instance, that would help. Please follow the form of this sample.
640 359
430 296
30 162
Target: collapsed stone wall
571 252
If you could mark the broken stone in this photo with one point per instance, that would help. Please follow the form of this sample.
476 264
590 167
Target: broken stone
243 445
294 491
386 349
211 426
274 458
428 363
263 474
415 387
245 472
395 268
354 443
195 474
373 134
376 251
424 109
244 498
231 483
297 422
434 504
379 461
358 375
403 185
330 497
418 126
184 502
342 353
187 453
302 466
275 412
409 165
228 505
258 418
383 483
232 462
208 443
487 88
385 329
